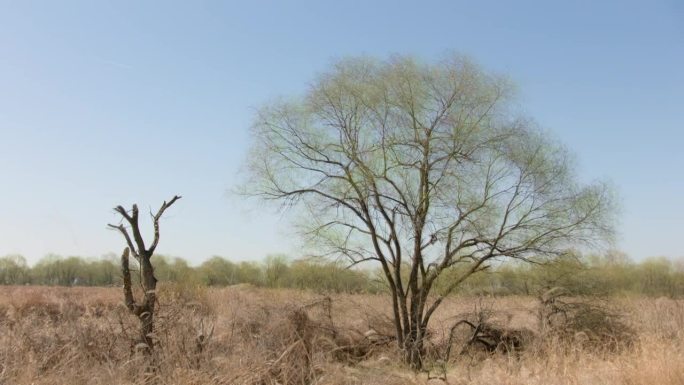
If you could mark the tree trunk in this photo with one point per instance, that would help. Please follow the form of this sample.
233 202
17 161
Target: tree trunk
145 310
413 351
149 283
414 338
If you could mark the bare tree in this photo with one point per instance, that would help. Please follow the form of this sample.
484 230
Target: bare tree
423 169
144 309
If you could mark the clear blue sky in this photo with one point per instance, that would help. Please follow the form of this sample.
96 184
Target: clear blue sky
115 102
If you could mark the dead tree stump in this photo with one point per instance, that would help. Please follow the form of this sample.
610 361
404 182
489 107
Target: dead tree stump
143 309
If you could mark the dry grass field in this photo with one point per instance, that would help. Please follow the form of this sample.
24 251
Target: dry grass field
51 335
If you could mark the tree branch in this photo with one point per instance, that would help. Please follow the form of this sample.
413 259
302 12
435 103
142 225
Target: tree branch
156 218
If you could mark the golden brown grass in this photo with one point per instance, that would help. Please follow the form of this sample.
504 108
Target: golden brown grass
58 336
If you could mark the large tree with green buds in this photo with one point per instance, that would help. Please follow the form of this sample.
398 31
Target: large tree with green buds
424 169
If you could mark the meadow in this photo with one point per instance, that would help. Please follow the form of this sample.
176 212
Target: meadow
242 334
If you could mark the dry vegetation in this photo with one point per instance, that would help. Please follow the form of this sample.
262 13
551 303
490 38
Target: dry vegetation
245 335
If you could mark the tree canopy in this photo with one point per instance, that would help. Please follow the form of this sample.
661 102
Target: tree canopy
421 168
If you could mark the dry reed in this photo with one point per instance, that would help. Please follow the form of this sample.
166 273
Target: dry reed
244 335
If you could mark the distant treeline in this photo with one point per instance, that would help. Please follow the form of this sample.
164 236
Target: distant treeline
274 271
594 275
